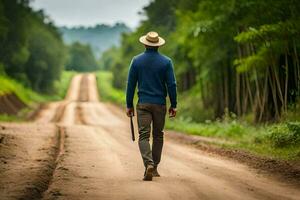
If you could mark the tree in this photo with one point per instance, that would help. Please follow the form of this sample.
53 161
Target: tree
31 48
14 33
81 58
47 55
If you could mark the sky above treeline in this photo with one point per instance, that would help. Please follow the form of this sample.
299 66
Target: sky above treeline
91 12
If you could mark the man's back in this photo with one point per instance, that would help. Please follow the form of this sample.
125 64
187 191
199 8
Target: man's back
155 77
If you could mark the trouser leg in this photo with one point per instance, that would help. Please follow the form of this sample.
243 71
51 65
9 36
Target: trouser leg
159 113
144 118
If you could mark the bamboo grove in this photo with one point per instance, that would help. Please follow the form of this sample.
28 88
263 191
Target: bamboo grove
235 56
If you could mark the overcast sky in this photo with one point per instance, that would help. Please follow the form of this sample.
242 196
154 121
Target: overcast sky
91 12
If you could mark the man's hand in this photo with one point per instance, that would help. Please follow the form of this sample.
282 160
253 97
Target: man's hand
129 112
172 112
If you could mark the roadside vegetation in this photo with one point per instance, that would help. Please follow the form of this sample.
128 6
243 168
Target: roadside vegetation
107 91
32 50
30 97
33 55
62 85
27 95
279 141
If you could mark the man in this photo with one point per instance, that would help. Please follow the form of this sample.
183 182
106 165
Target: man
155 77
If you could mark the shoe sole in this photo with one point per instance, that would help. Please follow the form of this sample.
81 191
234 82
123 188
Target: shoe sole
149 174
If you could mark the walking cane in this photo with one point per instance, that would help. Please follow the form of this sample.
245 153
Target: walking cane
132 128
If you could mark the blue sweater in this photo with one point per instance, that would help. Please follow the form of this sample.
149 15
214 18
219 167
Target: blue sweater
155 77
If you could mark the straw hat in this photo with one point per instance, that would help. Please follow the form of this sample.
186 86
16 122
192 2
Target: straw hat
152 39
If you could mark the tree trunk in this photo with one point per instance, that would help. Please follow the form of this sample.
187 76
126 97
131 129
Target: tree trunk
286 81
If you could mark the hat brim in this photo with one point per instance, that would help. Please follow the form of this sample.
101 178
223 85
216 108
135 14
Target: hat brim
144 41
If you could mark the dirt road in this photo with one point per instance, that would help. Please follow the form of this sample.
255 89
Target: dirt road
80 148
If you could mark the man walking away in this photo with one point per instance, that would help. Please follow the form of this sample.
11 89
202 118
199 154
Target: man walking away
155 77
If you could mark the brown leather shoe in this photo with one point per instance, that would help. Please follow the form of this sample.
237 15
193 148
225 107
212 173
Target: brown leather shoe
148 173
155 172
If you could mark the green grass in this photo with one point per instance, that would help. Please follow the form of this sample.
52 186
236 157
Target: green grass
10 118
62 85
26 95
275 141
106 91
30 97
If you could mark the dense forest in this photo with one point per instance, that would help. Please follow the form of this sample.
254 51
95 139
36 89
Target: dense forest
236 57
100 37
32 49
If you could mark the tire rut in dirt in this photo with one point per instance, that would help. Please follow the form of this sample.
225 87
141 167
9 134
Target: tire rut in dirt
59 113
84 89
44 178
1 138
36 113
60 145
42 183
79 118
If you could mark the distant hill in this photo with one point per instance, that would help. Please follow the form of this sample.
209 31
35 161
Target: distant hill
100 37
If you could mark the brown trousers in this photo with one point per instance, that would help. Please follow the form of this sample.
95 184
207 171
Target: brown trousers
148 114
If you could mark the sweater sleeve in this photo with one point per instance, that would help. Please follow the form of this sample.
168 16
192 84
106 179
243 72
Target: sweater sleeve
171 85
131 84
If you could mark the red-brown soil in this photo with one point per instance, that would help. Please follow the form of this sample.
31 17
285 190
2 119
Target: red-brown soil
10 104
